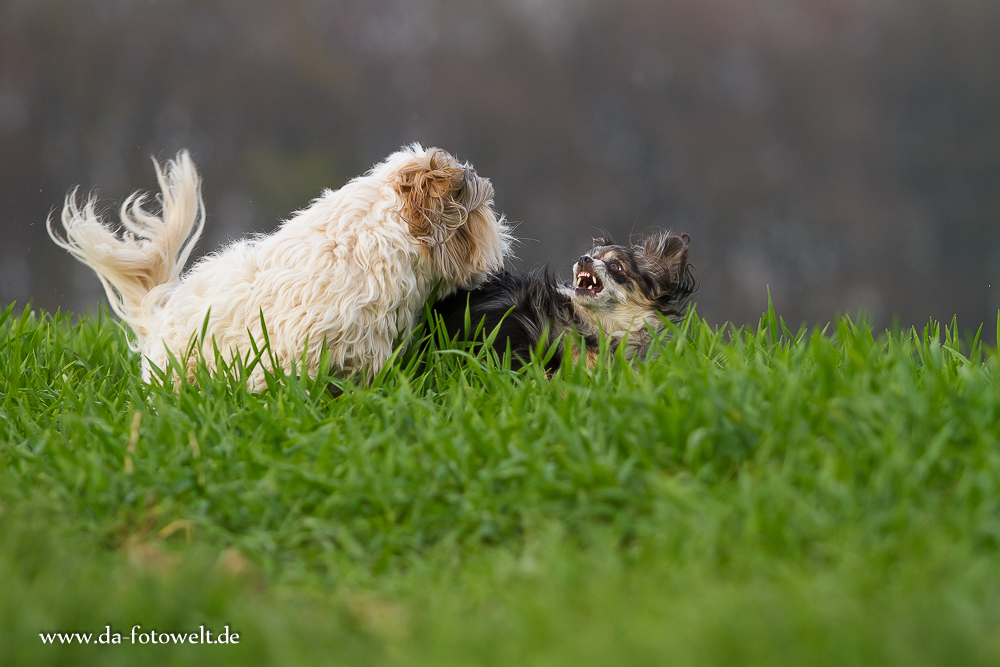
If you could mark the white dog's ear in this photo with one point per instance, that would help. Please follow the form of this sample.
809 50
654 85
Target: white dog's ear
438 193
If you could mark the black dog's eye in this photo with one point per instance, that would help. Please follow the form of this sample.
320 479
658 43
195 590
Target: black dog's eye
615 266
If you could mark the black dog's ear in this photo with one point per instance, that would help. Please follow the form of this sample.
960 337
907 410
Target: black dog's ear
666 258
669 250
438 192
603 240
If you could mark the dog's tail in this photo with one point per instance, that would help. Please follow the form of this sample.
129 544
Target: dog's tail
140 265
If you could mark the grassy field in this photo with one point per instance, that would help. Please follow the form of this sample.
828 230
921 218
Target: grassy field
752 497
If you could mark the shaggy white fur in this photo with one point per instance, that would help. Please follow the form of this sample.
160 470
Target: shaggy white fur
349 273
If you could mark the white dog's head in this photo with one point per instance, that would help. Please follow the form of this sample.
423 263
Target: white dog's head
448 209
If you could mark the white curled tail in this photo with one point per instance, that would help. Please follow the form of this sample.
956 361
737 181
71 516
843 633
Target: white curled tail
140 264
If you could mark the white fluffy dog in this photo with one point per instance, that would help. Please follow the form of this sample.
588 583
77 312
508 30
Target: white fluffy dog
349 274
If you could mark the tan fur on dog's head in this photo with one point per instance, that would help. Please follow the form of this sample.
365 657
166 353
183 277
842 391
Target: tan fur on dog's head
448 208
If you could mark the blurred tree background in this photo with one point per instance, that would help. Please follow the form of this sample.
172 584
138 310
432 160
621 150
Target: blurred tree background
845 153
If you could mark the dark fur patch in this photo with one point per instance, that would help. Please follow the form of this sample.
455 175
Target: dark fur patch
524 306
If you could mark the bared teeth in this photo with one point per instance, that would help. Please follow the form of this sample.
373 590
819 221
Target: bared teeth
584 280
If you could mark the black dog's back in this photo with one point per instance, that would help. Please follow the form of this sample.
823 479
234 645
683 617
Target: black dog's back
524 306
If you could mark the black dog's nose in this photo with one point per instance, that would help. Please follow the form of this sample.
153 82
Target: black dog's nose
586 259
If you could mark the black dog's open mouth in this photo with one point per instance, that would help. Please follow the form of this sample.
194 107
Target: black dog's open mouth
588 283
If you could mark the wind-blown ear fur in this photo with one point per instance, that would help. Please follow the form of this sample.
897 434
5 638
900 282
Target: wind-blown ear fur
669 250
438 192
669 253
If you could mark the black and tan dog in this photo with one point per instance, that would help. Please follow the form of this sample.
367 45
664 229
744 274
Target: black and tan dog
620 291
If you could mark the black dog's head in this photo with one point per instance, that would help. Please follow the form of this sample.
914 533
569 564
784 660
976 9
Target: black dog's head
623 285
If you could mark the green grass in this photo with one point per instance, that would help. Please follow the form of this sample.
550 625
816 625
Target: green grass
750 497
